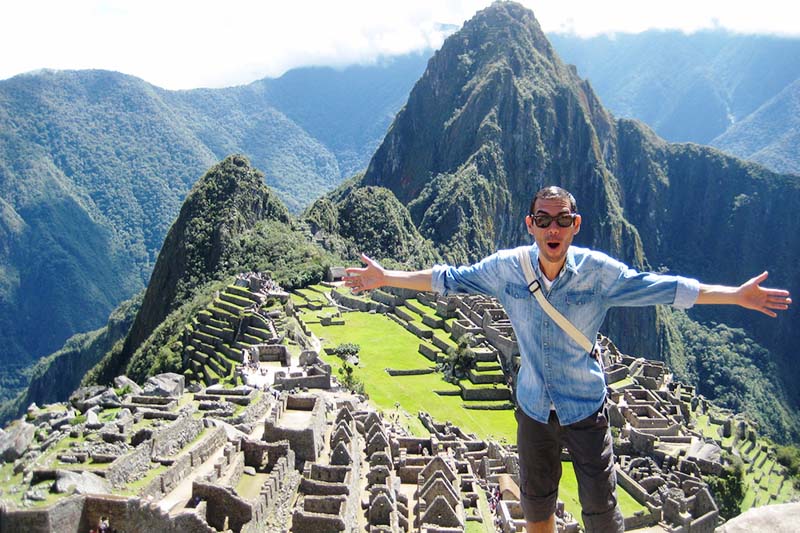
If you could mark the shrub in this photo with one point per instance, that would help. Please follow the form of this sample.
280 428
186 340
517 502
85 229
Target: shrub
349 380
346 350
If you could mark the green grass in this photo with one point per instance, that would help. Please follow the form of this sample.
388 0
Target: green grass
568 493
385 343
422 307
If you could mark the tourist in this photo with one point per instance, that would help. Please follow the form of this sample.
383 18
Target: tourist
560 386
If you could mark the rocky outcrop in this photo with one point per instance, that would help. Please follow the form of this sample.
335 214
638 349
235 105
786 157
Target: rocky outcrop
773 518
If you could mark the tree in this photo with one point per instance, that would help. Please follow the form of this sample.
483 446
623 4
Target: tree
459 359
349 380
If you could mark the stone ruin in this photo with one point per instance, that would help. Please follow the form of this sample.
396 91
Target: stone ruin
276 458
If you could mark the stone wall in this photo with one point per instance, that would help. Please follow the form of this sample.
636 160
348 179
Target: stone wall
169 479
170 440
223 505
306 442
79 514
207 446
131 466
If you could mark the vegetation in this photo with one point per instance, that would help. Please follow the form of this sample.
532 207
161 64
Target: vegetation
346 350
789 457
738 373
728 487
350 381
459 360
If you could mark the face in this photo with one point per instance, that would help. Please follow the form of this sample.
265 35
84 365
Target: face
554 240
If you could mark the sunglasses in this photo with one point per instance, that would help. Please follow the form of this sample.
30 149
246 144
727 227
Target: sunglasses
564 220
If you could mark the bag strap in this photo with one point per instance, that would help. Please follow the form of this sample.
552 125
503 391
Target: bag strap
536 289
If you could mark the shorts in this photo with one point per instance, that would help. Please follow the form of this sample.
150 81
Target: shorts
591 448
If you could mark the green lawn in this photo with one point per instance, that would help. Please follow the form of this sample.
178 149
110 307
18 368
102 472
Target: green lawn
386 344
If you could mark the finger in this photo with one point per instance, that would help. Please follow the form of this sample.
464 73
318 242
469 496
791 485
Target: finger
367 260
354 271
760 278
778 293
769 313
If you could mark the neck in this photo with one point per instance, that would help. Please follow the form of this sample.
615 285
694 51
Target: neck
551 270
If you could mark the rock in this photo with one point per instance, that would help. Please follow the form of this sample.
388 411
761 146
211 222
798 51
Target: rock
84 483
91 418
109 398
780 518
86 397
169 384
35 495
231 432
121 382
249 470
16 440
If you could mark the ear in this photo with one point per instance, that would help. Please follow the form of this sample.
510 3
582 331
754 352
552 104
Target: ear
529 224
577 224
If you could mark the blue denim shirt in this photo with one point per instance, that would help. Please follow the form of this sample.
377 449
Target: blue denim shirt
554 367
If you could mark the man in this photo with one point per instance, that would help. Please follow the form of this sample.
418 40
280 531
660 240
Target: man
560 388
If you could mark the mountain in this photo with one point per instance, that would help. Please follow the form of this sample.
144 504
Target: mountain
686 87
497 115
230 222
348 110
94 166
769 135
91 164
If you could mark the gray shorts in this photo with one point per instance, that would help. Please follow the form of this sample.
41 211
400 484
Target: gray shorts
590 446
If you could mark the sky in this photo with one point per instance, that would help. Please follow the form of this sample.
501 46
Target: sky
179 44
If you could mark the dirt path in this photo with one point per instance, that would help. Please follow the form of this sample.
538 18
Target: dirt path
179 497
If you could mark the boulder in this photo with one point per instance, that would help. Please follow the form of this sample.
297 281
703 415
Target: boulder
109 398
15 440
86 397
84 483
166 385
231 432
780 518
120 382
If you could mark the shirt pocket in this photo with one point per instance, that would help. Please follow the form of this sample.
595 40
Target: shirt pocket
580 297
517 292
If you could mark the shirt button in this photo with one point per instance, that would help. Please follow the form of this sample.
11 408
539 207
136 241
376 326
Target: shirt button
546 345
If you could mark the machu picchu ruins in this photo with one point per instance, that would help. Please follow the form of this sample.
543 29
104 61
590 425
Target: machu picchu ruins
260 434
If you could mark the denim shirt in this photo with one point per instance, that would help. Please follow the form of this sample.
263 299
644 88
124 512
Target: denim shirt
554 367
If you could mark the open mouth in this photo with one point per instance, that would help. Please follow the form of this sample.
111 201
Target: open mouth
553 245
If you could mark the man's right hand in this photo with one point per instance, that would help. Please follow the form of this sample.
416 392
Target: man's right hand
365 279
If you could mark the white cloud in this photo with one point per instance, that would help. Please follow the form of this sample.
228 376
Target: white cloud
183 44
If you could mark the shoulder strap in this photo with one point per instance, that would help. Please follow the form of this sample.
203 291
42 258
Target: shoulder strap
536 289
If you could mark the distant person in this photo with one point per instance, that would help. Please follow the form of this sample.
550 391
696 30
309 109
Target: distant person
561 389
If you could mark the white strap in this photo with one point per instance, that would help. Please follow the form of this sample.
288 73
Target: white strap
536 289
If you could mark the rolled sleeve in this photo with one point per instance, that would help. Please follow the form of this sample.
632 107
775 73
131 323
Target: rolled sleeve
437 279
686 292
480 278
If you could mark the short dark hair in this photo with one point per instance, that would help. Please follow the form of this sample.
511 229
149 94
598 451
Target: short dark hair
554 192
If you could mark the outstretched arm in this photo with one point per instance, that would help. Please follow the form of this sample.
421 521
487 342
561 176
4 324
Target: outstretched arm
749 294
374 276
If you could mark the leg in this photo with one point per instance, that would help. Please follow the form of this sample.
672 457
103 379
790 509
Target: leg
590 445
539 471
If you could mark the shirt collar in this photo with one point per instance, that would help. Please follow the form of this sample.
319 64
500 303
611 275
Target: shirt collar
569 265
